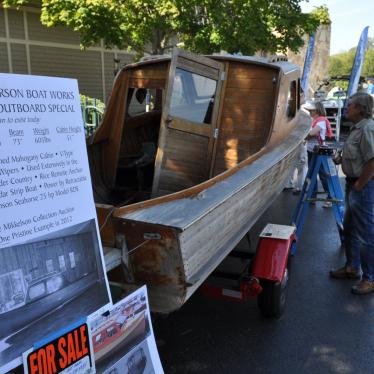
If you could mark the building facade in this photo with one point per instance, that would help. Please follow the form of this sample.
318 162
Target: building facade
28 47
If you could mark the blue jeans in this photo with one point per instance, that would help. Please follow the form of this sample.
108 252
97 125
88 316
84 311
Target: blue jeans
359 228
322 177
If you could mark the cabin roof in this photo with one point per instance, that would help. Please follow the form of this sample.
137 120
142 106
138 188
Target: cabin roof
277 62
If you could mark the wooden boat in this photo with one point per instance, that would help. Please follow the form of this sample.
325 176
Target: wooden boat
65 266
190 153
118 334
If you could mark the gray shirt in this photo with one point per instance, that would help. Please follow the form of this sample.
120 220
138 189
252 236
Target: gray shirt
358 148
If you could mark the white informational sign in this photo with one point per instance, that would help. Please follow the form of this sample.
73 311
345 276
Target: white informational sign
123 340
51 262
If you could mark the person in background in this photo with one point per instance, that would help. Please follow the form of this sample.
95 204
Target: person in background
320 129
370 88
295 182
301 169
358 166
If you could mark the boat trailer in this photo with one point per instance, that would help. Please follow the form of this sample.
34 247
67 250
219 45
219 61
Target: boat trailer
265 273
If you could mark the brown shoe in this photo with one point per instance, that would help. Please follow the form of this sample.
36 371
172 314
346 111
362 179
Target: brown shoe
346 272
363 287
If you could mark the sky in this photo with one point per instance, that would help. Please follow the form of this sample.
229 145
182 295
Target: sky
348 17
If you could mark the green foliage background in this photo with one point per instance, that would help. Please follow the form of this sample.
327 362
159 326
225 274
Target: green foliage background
202 26
341 63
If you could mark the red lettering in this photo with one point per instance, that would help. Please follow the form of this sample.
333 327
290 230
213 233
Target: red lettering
71 350
33 367
63 359
42 362
51 359
79 353
82 331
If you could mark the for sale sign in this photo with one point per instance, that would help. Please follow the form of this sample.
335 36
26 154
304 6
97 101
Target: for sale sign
69 353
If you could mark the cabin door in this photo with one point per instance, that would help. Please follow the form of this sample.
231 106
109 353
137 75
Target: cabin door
188 123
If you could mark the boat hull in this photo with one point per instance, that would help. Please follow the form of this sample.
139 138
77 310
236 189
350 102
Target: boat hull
177 245
134 331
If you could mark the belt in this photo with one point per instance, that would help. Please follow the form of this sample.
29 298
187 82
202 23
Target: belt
351 180
354 180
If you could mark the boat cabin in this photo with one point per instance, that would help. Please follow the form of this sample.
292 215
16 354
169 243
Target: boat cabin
175 122
191 151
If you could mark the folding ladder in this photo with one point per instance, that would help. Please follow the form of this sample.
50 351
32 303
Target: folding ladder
321 160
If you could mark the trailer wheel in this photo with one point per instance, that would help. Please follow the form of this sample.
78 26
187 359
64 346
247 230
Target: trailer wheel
272 299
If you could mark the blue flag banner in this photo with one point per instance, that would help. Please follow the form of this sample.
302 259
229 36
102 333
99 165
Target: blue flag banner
357 64
307 65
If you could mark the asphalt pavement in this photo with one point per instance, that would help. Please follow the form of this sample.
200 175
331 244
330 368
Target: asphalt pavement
325 328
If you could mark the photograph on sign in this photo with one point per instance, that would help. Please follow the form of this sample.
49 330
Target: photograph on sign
48 284
114 334
69 351
138 360
127 325
52 270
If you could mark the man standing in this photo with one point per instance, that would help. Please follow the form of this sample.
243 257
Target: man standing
358 166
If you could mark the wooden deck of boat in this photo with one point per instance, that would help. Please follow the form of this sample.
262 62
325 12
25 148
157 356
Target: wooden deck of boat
169 212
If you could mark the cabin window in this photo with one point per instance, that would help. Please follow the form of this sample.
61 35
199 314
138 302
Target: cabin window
37 291
141 101
192 97
300 94
54 284
49 264
111 331
72 260
291 100
61 261
98 338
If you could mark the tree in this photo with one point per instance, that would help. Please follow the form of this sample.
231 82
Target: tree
202 26
244 26
341 63
370 43
368 67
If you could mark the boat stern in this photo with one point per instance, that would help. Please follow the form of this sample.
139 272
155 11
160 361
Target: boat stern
154 259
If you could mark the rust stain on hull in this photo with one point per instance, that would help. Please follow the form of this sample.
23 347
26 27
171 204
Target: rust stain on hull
155 262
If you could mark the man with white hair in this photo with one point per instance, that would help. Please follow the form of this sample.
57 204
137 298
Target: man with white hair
358 166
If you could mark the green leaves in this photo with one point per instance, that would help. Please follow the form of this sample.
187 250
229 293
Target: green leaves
15 3
202 26
341 63
321 14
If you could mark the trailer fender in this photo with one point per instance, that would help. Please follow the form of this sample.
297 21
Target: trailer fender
271 258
